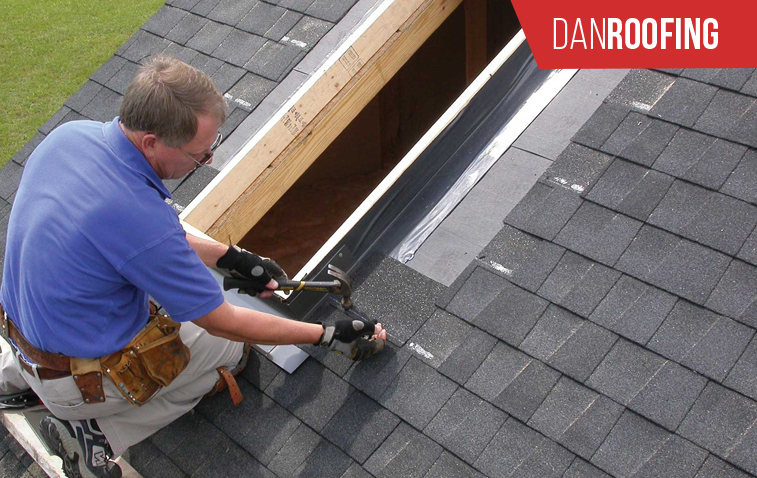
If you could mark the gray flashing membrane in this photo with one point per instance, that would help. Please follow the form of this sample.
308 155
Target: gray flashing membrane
440 177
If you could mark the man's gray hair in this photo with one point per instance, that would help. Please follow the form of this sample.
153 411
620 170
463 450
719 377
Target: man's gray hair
165 97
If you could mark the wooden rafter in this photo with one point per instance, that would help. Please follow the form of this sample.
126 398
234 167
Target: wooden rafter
244 194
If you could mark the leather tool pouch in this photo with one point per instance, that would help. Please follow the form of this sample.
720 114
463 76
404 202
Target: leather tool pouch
151 361
88 377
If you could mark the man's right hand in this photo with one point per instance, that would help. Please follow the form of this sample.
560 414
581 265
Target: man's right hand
356 339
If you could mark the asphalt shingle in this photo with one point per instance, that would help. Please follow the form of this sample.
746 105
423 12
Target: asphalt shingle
405 453
577 167
750 87
448 466
209 37
582 469
684 102
465 425
326 460
164 20
600 125
466 358
702 340
512 314
374 376
736 293
578 284
329 10
598 233
741 182
250 91
230 11
714 467
639 138
108 69
83 96
544 210
187 55
576 417
732 78
186 28
748 251
238 47
206 64
300 445
261 18
723 113
418 393
743 375
528 259
676 265
274 60
439 337
224 78
104 106
633 309
121 79
203 7
23 154
283 25
713 219
641 89
308 31
471 295
513 381
145 45
54 120
518 450
568 343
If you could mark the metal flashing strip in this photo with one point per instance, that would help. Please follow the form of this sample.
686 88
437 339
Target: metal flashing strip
279 115
288 357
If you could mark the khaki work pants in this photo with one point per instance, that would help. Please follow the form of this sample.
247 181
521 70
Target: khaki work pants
125 425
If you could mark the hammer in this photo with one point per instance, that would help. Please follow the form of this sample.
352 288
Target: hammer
341 285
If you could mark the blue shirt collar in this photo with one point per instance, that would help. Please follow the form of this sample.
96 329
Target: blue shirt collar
131 156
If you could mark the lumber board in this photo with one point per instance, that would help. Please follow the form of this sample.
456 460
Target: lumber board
475 38
243 196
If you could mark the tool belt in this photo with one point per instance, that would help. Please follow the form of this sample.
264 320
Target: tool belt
151 361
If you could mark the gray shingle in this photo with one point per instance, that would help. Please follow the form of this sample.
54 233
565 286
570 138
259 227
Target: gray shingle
283 25
696 158
748 251
104 106
641 89
183 4
465 425
224 78
631 127
107 70
577 167
723 113
704 75
630 189
261 18
568 343
186 28
234 119
512 314
668 395
598 233
702 340
164 20
260 371
447 466
186 441
576 417
308 31
732 78
329 10
203 7
187 55
633 309
54 120
121 80
741 182
503 365
313 393
298 5
418 393
360 426
719 420
625 371
326 460
210 36
405 453
356 471
601 125
713 219
631 443
230 12
23 154
83 96
207 64
529 259
736 293
582 469
648 145
190 188
145 45
466 358
516 450
544 210
374 376
238 47
250 91
440 336
295 451
231 459
578 284
743 130
472 292
750 87
523 395
274 60
266 415
684 102
676 265
714 467
743 375
678 458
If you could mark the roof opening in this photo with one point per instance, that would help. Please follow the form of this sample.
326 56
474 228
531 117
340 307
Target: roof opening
349 169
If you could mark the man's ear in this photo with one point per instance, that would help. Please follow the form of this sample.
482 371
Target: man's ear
149 143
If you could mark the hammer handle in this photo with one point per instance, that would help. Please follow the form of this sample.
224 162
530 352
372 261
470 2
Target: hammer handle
297 285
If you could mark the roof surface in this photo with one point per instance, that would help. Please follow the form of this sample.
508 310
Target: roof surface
606 330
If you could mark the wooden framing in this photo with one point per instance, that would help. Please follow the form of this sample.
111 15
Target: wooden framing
476 57
244 192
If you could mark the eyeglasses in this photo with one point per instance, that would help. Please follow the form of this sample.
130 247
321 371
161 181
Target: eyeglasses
208 154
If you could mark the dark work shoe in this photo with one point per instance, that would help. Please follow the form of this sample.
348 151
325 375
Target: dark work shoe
18 401
82 447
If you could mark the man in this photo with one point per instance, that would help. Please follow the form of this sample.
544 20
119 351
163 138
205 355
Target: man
91 236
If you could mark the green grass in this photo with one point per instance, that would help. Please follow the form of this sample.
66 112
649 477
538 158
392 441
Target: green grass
48 49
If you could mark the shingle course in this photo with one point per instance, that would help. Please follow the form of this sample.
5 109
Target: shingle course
164 20
405 453
544 210
230 12
740 183
600 125
743 375
512 314
736 293
684 102
274 60
238 47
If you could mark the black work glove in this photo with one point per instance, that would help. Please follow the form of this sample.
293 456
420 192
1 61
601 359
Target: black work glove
352 338
259 270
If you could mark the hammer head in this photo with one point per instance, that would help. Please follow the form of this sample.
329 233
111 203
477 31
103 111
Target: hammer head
345 285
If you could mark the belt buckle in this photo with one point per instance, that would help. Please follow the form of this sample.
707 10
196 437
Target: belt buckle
6 332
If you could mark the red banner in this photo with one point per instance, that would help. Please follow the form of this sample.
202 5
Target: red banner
640 33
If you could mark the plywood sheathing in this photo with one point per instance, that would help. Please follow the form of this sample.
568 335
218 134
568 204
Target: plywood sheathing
243 196
475 38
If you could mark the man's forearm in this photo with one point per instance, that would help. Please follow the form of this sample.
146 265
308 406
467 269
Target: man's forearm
246 325
209 251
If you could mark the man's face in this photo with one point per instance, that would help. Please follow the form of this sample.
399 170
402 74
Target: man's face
175 163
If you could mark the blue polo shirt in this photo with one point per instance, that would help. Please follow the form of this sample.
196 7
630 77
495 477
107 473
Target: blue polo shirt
90 237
